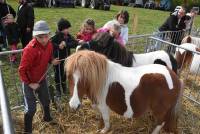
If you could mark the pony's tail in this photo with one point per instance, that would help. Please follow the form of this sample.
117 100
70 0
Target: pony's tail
187 39
172 115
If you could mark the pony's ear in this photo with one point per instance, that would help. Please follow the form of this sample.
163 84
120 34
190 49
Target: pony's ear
86 46
83 45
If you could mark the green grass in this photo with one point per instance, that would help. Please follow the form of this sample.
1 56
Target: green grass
148 20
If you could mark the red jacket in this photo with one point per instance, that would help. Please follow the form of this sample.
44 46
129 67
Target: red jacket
34 61
85 36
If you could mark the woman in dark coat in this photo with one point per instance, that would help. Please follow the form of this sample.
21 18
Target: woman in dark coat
25 21
5 9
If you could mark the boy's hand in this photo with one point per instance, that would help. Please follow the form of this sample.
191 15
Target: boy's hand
62 45
55 61
81 41
34 86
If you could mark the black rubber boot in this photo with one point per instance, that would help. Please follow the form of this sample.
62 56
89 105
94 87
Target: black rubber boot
47 116
64 87
28 123
58 90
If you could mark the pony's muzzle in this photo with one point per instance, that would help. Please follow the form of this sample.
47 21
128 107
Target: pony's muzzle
75 108
73 105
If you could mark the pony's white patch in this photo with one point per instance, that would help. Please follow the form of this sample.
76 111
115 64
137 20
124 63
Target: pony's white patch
78 47
129 78
195 40
194 68
149 58
74 101
188 46
158 128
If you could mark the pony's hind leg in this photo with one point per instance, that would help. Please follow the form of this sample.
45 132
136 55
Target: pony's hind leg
166 120
171 121
159 114
158 128
105 112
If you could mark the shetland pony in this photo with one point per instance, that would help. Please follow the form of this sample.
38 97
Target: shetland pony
105 44
186 58
127 91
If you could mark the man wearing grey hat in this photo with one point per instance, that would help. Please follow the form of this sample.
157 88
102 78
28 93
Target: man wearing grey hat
32 70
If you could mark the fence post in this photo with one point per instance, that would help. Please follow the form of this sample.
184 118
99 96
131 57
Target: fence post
5 108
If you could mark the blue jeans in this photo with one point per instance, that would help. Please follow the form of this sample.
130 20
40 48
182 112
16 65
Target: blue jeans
30 98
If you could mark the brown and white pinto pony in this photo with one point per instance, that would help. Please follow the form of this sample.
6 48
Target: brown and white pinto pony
190 39
127 91
186 58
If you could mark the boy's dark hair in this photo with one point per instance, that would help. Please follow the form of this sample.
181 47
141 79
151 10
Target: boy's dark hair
124 14
63 24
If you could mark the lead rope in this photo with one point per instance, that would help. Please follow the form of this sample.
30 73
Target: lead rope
42 79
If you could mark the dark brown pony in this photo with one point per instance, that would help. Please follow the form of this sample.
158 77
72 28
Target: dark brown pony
127 91
105 44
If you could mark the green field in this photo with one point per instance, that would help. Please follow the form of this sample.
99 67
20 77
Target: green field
147 20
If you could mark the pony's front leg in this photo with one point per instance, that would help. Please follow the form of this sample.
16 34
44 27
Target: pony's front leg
105 113
101 122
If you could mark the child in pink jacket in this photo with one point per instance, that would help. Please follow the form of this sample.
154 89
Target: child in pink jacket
87 31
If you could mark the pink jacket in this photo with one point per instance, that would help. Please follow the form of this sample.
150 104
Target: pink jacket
120 41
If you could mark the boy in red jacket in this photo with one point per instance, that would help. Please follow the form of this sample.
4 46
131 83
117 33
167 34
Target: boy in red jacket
34 63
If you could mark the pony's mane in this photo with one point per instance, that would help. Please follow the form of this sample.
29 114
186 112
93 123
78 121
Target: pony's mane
95 76
105 44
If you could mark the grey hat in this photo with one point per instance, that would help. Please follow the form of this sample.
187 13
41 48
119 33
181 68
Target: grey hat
41 27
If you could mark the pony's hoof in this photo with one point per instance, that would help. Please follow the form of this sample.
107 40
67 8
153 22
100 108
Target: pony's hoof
103 131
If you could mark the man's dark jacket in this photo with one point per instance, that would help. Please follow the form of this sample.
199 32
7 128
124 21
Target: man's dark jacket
4 10
25 17
171 24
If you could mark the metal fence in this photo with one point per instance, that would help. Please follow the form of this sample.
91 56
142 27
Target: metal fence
189 73
169 41
5 108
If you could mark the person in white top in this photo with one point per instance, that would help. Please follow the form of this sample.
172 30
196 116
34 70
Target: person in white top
190 18
121 19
